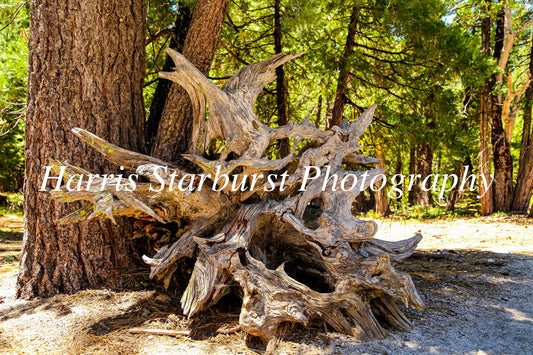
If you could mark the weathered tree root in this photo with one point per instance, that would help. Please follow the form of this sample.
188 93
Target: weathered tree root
299 256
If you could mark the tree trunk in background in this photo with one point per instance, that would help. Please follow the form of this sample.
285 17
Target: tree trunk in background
501 147
281 86
318 119
455 193
420 163
183 21
175 126
382 200
503 162
452 197
484 135
86 67
344 73
524 181
412 171
398 170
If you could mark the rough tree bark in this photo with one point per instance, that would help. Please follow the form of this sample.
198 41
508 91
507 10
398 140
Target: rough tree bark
298 255
486 200
86 67
524 180
174 133
344 73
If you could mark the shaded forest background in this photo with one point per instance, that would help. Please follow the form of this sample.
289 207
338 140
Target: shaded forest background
451 80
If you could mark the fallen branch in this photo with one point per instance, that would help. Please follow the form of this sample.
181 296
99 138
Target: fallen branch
172 333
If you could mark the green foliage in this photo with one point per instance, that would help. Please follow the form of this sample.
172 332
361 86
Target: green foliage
13 69
435 212
405 58
11 203
419 60
4 210
15 201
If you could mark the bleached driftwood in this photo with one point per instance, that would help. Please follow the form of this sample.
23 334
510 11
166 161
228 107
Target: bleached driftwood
298 256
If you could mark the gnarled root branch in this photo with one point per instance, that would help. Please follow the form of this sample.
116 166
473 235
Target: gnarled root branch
292 244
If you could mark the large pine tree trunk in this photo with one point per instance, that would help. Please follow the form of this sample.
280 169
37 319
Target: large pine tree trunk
174 134
484 135
524 181
86 67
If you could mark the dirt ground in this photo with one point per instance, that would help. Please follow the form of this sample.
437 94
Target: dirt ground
475 275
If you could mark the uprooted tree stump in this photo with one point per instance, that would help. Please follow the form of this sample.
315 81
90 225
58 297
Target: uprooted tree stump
297 252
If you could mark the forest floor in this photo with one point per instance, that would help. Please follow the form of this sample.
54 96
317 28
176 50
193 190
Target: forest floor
475 275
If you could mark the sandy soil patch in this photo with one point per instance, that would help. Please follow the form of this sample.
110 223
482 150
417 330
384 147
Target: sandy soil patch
475 275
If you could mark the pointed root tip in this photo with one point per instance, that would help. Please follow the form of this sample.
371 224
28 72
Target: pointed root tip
417 303
83 134
150 261
364 120
170 51
297 55
368 114
176 56
281 58
417 237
